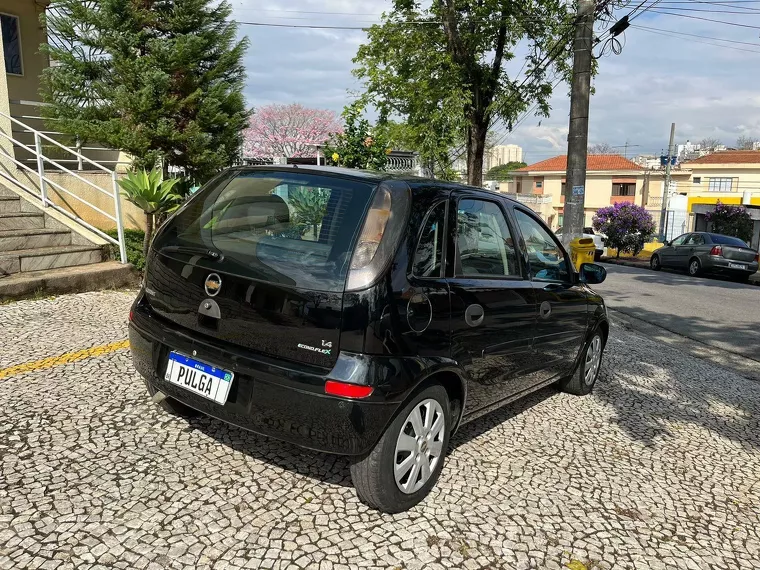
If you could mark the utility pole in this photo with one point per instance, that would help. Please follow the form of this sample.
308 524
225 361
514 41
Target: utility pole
666 190
577 137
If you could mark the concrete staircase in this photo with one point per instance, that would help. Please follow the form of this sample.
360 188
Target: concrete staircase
40 253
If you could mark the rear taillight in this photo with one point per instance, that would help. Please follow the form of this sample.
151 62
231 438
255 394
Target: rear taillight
346 390
374 227
757 258
384 224
716 250
131 315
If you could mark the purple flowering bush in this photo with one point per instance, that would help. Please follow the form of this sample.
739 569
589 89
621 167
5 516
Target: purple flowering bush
731 221
627 226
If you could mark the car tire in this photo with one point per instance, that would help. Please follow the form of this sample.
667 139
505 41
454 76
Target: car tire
374 475
742 278
171 405
695 267
654 263
583 379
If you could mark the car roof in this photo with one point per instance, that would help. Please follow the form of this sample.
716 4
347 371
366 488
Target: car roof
373 176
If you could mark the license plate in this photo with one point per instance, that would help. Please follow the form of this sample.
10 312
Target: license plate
198 377
737 266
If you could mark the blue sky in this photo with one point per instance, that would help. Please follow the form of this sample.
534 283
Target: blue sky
707 87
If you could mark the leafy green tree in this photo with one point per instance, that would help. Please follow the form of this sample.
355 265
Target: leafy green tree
503 172
359 145
447 73
731 221
159 79
152 195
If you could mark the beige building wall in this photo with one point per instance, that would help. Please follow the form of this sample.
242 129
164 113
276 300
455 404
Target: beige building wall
745 177
26 86
598 190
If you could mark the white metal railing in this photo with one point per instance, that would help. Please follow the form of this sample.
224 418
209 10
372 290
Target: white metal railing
45 181
654 202
81 149
530 198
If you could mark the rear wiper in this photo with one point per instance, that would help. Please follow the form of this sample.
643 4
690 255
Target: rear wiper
213 254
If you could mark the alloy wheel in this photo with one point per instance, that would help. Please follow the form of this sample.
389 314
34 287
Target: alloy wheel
655 262
694 267
593 360
419 446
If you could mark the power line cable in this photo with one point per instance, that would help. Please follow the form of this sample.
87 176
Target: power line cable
639 26
657 11
671 35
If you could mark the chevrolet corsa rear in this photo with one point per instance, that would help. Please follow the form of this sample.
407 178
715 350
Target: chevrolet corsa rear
359 314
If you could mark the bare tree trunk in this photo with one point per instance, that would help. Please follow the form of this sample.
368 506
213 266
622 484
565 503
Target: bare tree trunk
476 145
148 233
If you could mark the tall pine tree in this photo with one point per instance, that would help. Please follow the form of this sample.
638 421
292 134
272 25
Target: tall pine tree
158 79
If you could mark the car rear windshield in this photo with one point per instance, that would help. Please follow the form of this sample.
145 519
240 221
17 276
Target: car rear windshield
727 240
289 228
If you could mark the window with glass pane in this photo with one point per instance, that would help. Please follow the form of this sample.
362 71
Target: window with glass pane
428 259
624 189
720 185
11 44
680 239
485 245
547 261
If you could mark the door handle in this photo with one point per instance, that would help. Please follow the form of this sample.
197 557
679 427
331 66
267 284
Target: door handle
554 287
474 315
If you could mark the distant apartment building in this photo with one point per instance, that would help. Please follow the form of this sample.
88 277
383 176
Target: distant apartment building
502 154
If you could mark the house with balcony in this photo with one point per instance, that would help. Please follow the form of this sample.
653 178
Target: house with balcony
58 196
610 178
731 177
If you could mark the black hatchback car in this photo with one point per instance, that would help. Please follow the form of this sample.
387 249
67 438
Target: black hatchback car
360 314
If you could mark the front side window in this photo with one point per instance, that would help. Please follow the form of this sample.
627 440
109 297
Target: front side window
11 44
720 185
428 258
281 227
484 242
545 256
680 240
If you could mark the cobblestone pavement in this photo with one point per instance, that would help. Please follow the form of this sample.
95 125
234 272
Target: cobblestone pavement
659 468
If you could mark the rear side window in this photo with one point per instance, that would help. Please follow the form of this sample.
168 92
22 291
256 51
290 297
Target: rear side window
281 227
484 242
428 258
727 240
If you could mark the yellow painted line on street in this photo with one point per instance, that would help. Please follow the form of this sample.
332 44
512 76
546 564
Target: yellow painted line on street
61 359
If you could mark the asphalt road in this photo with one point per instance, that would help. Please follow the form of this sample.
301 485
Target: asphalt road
723 314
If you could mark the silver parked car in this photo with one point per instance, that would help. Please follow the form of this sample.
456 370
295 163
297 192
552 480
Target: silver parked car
703 252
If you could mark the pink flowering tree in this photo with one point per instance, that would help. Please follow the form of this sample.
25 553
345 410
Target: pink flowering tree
288 130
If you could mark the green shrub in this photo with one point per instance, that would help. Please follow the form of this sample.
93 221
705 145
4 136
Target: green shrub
134 242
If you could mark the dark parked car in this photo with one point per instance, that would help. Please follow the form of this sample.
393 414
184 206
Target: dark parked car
361 314
699 252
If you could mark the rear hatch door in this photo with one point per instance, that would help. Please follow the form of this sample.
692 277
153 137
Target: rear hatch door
259 259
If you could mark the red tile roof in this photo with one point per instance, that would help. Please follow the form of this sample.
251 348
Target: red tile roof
594 162
728 157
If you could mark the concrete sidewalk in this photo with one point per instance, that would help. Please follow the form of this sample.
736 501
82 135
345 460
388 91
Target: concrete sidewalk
642 264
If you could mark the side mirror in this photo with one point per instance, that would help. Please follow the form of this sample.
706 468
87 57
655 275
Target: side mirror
666 243
592 273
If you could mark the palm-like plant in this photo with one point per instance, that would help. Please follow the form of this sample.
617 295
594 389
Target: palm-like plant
152 195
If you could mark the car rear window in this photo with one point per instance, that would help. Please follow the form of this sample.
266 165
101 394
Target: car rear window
727 240
290 228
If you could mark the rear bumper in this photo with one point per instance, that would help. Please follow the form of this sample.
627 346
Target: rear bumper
721 265
271 399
